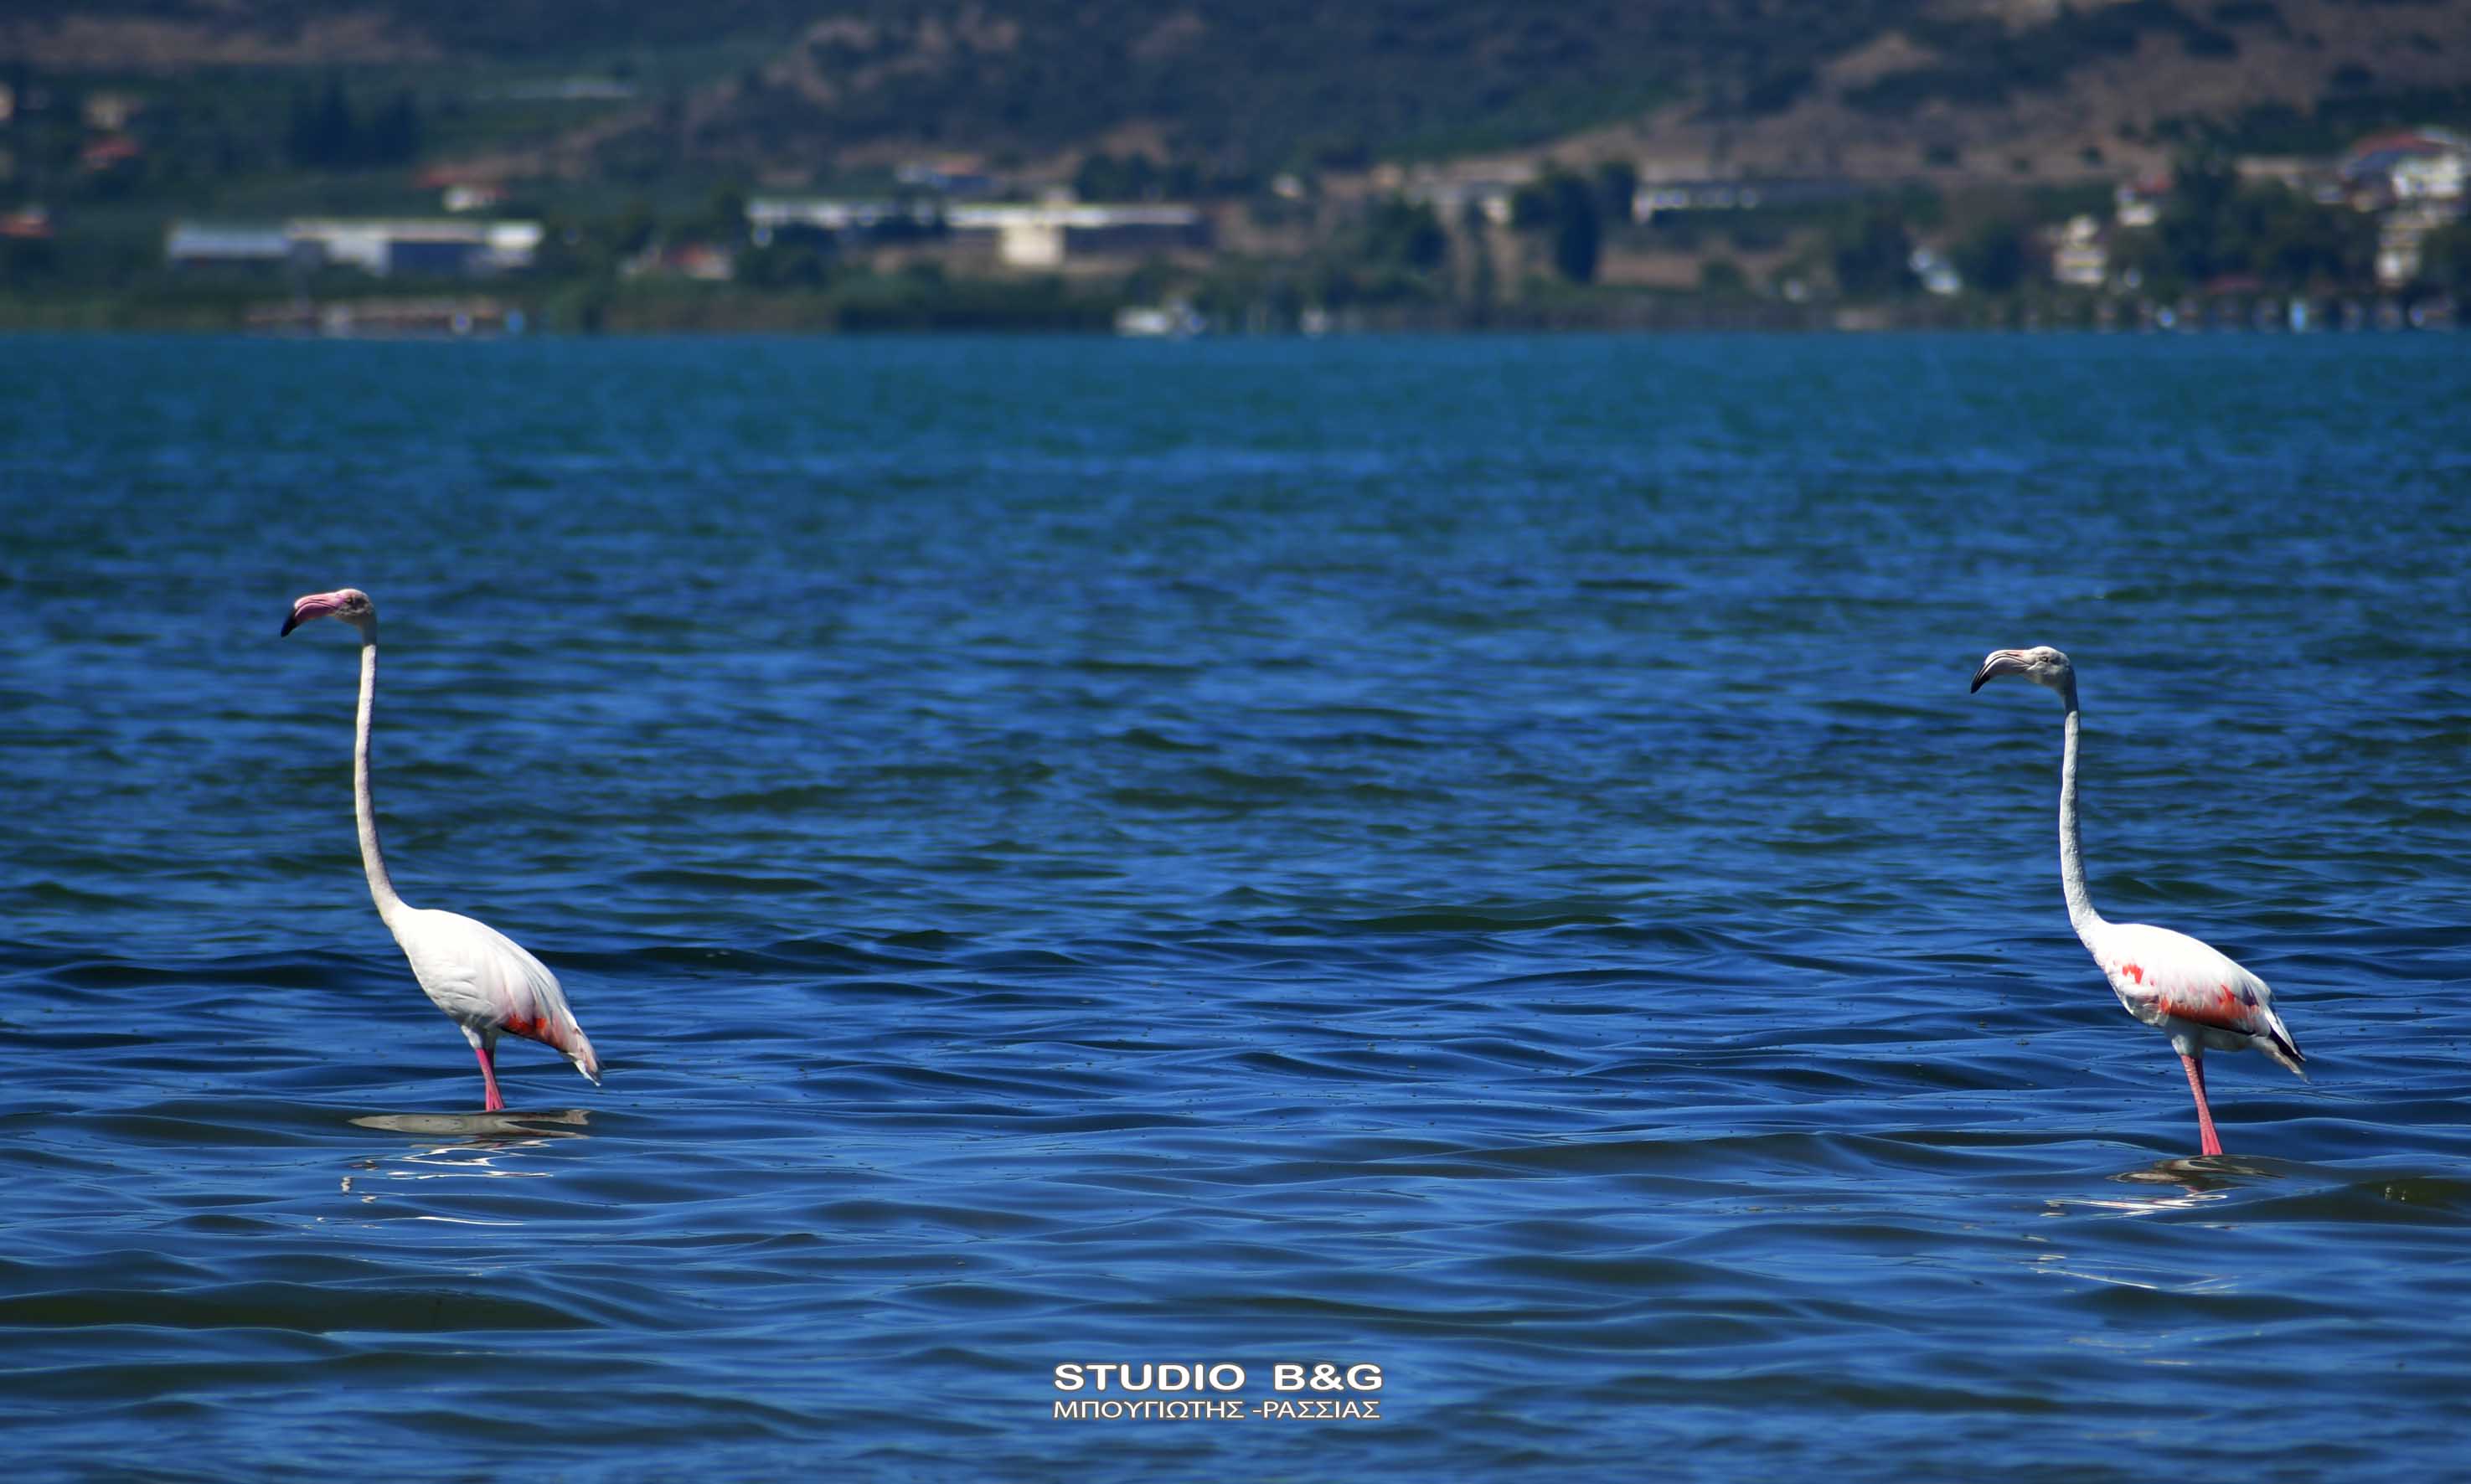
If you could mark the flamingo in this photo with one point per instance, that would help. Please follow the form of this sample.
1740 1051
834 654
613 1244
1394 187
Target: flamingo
480 978
2171 982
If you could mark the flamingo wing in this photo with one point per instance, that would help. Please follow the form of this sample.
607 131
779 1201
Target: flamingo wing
2162 976
489 985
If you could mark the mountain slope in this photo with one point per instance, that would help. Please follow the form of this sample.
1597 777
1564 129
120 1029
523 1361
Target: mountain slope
1238 89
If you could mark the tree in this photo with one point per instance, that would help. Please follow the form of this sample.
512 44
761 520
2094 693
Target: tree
394 132
1578 235
1563 207
24 258
1102 176
2189 230
2214 227
1994 258
564 250
326 133
1724 277
723 218
1773 89
635 226
2294 243
2445 260
1870 253
317 135
2141 259
1616 185
797 257
1483 279
1404 234
336 137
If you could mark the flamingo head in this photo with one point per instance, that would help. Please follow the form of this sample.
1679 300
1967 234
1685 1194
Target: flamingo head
347 603
2042 665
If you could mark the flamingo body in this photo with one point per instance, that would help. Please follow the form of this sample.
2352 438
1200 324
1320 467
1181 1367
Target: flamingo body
2191 990
483 980
2187 989
486 983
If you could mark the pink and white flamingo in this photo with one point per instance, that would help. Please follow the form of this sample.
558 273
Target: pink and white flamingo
477 974
2167 980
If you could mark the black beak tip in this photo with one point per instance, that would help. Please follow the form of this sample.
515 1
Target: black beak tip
1976 686
293 622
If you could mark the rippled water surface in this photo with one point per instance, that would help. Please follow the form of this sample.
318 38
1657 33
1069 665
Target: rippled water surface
1473 856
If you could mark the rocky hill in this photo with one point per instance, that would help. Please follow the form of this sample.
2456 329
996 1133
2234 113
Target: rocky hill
1234 90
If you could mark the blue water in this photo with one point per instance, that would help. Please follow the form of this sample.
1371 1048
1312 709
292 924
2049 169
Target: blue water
1471 856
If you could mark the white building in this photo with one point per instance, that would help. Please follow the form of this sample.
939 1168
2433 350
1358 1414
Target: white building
1026 235
2400 235
2437 177
1452 192
208 244
374 246
382 247
2409 165
2138 203
1044 233
1653 198
767 215
1935 273
2081 259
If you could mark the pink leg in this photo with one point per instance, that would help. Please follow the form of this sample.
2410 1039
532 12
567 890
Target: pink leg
2204 1115
498 1104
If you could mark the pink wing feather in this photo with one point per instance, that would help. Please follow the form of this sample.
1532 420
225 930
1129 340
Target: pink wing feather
489 985
2164 977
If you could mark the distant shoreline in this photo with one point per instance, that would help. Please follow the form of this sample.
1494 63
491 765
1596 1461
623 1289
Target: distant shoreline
475 317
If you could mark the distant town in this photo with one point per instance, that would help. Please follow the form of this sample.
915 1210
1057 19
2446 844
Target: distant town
2374 236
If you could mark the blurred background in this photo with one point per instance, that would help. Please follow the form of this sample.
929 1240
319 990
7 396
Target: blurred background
386 166
1220 838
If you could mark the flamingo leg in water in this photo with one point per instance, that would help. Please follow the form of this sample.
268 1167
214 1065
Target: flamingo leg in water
498 1104
2204 1115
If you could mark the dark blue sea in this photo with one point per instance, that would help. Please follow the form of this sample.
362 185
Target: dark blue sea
1468 857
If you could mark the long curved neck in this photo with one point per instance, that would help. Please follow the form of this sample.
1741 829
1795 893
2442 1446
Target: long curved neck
363 807
2072 878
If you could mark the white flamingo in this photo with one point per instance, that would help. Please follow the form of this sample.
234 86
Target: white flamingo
477 974
2167 980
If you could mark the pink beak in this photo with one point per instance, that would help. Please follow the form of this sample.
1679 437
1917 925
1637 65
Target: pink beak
317 605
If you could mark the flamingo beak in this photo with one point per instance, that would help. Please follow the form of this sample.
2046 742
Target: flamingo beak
315 605
1998 663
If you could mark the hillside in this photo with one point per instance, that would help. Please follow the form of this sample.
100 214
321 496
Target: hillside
788 90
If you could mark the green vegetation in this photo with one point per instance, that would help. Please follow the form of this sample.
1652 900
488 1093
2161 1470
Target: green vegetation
1138 177
1403 236
633 132
1984 63
2445 261
2337 119
1997 257
2215 229
1870 253
327 133
1567 211
1235 89
1573 214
